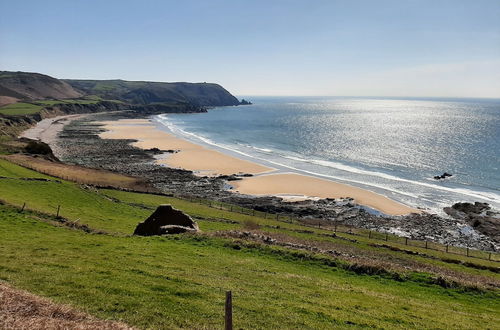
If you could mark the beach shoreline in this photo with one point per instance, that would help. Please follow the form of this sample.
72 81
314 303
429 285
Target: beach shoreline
264 181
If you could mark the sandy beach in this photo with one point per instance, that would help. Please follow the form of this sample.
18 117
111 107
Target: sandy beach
204 161
188 155
296 184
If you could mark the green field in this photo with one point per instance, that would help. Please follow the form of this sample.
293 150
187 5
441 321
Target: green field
19 109
68 101
180 280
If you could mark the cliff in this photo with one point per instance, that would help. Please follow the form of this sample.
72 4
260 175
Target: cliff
146 92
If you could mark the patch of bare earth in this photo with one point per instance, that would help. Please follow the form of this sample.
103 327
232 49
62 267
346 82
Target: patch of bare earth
5 100
22 310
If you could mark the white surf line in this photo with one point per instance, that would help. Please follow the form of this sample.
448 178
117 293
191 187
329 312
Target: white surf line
461 191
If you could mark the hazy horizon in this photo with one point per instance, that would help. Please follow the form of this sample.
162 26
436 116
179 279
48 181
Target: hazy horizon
386 48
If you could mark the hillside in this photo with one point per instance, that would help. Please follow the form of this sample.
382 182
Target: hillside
283 275
26 86
146 92
15 86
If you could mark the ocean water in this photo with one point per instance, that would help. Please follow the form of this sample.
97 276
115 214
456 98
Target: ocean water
391 146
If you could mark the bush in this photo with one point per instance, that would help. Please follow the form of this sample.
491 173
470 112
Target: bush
38 148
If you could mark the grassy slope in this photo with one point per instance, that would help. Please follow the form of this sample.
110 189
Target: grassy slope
175 282
18 109
68 101
180 281
118 212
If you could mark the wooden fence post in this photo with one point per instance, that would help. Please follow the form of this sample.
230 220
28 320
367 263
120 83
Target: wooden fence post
426 244
22 208
489 256
277 216
406 240
58 208
447 248
386 237
229 311
335 229
467 252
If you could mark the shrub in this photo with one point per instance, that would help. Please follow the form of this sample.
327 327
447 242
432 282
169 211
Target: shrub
38 148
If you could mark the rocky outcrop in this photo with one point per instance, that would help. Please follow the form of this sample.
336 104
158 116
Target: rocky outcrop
479 216
442 176
166 220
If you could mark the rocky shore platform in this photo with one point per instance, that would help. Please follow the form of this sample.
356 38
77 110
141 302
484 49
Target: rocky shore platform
79 143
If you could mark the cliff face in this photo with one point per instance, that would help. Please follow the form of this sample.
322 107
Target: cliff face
14 125
146 92
16 86
141 97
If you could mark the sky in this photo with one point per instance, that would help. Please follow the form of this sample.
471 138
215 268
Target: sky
400 48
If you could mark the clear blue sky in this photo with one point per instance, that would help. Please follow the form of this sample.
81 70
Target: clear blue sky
273 47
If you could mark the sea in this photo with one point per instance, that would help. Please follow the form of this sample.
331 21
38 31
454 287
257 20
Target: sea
392 146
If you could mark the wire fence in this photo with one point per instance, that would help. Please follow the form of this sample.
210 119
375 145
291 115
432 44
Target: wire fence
329 225
385 238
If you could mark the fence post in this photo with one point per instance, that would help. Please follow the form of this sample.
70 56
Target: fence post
335 227
253 211
229 311
467 252
406 240
58 208
426 244
231 208
370 234
386 237
277 216
446 248
265 215
489 256
319 224
22 208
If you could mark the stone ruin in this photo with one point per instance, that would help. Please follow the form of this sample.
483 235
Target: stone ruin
166 220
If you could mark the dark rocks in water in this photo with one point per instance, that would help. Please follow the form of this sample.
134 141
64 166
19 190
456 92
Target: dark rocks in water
469 208
442 176
245 102
166 220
